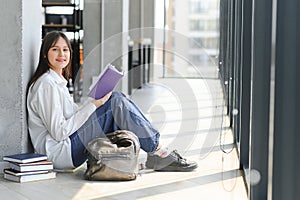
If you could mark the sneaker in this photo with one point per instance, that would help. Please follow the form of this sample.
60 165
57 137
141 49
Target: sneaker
174 162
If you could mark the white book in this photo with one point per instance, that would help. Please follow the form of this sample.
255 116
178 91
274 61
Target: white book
17 173
35 166
29 178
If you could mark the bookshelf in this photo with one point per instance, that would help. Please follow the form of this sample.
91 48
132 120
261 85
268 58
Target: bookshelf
60 3
60 17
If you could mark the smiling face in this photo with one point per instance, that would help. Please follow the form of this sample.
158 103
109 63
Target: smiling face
59 55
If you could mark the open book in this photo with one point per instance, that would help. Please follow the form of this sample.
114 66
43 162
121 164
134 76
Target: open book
106 82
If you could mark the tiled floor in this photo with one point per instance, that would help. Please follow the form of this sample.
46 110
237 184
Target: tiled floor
189 115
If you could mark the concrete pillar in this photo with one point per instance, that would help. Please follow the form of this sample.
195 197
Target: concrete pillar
105 25
141 26
20 38
91 41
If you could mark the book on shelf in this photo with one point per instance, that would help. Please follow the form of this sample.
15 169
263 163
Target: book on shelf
30 177
25 157
34 166
106 82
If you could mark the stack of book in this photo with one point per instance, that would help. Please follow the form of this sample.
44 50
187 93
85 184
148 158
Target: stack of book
28 167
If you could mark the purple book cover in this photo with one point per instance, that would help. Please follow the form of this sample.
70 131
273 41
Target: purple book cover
106 82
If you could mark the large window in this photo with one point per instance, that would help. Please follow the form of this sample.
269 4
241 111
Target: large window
191 36
199 24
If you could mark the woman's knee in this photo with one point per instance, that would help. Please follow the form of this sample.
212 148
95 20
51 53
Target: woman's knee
118 99
116 94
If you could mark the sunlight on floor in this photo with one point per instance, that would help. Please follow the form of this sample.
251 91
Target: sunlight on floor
185 124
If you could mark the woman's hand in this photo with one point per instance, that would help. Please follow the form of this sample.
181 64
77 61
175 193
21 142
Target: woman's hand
100 102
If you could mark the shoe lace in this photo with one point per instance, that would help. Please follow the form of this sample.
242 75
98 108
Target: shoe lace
179 157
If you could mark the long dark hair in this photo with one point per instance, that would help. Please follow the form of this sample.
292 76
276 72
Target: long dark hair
43 66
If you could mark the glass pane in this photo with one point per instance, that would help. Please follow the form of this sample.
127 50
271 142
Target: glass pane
191 37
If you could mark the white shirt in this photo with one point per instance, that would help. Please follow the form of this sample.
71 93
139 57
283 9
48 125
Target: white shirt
53 117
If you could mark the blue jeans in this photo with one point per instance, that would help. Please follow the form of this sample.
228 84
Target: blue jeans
118 113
